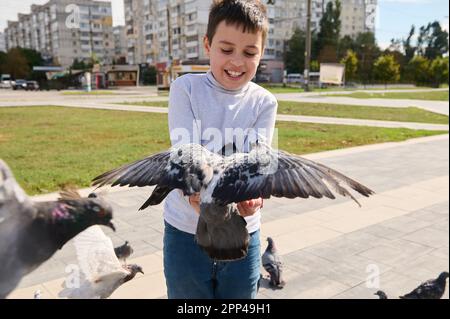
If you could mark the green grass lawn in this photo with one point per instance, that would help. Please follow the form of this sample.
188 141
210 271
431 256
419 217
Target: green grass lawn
429 95
410 114
50 147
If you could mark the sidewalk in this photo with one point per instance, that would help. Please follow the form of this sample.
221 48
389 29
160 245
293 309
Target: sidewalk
329 248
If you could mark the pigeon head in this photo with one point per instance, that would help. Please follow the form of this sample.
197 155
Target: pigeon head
443 276
381 294
83 212
133 269
271 244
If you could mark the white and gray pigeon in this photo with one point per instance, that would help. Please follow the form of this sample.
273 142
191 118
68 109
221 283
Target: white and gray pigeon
31 232
223 181
272 263
100 271
430 289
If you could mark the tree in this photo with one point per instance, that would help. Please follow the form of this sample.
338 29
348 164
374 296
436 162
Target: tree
294 57
408 48
346 43
386 69
418 70
367 52
439 71
16 64
2 62
351 65
432 41
330 28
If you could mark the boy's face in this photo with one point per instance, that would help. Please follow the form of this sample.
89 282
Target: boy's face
234 55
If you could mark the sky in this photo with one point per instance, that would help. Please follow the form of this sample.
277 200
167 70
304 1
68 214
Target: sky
394 17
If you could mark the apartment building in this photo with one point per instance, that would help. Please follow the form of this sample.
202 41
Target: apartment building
120 44
64 30
2 42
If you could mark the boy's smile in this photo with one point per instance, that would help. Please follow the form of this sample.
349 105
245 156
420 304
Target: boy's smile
234 55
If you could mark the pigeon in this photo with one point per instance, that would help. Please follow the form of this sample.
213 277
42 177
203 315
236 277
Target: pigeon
123 252
37 294
430 289
101 272
381 294
271 262
223 181
31 232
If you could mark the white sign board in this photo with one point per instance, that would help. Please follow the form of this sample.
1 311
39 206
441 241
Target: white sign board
332 73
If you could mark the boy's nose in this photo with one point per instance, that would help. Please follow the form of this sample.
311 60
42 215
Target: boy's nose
237 62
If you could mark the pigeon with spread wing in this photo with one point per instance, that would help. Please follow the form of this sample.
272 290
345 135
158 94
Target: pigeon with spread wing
31 232
100 272
223 181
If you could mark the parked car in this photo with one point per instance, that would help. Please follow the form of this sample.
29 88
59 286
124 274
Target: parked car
19 85
5 81
32 86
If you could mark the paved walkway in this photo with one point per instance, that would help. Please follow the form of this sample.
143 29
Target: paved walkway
330 249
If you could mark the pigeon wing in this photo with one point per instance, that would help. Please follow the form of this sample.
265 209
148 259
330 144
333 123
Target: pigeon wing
265 172
13 198
186 167
95 254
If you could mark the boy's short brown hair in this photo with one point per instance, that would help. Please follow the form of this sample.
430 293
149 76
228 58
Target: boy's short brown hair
250 14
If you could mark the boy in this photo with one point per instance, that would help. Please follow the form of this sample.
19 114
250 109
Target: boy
202 106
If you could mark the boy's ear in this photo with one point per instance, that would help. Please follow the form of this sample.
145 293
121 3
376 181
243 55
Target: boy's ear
206 45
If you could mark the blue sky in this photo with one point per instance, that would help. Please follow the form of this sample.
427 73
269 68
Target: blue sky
394 18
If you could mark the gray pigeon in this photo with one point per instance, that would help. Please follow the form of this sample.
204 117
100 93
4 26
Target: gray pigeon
31 232
223 181
100 271
124 251
381 294
430 289
271 262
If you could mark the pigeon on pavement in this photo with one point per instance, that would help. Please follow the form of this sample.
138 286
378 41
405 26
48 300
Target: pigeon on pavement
381 294
100 271
123 252
223 181
271 262
430 289
31 232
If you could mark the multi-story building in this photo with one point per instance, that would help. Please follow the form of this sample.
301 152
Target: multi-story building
120 43
2 42
65 30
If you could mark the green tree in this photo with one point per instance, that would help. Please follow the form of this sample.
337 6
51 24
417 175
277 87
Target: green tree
432 41
367 52
408 48
294 57
330 28
386 69
2 62
17 64
439 71
351 65
418 70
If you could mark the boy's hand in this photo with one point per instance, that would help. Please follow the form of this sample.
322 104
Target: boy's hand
246 208
194 201
249 207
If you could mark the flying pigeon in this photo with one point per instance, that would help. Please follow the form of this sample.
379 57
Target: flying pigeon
101 272
430 289
381 294
123 252
223 181
31 232
271 262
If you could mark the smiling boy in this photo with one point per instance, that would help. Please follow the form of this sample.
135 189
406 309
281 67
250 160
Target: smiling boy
222 100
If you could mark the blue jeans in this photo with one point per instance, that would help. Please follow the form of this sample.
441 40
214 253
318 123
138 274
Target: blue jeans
191 274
